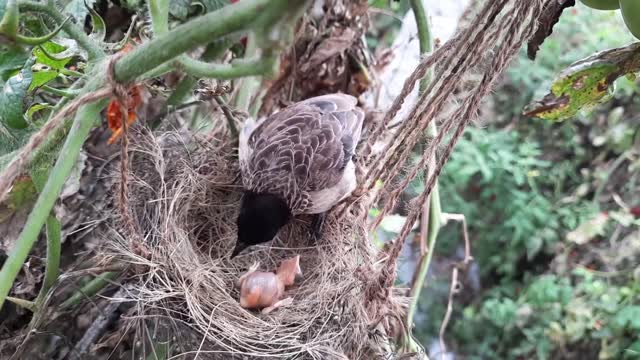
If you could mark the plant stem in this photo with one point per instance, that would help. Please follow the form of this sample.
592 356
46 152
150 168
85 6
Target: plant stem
89 289
237 69
93 49
248 85
54 91
424 35
159 11
52 269
432 209
83 123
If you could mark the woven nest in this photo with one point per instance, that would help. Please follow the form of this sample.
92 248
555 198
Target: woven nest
184 196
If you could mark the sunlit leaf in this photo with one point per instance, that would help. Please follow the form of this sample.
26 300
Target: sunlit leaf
41 78
53 49
585 84
12 97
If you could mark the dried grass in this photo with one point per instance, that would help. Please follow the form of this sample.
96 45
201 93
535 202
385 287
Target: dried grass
183 199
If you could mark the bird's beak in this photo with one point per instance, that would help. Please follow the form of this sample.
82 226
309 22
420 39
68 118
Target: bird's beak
237 250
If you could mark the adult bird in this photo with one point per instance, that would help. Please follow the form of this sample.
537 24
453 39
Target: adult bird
299 160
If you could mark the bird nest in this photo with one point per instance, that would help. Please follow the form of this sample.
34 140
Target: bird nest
184 195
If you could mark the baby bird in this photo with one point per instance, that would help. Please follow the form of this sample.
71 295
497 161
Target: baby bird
296 161
263 290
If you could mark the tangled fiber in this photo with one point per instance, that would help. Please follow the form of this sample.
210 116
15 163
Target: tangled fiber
183 198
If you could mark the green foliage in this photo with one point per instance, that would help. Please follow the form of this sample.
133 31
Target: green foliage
48 67
501 183
12 58
13 96
555 315
529 191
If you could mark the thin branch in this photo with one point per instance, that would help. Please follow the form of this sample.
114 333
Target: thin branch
231 121
453 290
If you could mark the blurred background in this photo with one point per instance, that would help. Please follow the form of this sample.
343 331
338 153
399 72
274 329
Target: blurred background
552 208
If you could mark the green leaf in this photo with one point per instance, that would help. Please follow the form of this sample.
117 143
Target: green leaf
629 317
51 48
12 98
41 78
11 58
35 108
160 351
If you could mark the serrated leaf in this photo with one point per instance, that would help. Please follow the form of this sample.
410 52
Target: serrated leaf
53 49
41 78
11 58
12 98
78 10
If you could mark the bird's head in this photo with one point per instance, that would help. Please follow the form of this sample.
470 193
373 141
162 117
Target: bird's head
260 218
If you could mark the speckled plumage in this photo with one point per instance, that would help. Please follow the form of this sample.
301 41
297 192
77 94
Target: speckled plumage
304 153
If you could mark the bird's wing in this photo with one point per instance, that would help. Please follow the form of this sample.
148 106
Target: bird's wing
304 147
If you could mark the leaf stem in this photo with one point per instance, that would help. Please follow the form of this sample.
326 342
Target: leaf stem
93 48
89 289
59 92
236 69
52 269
